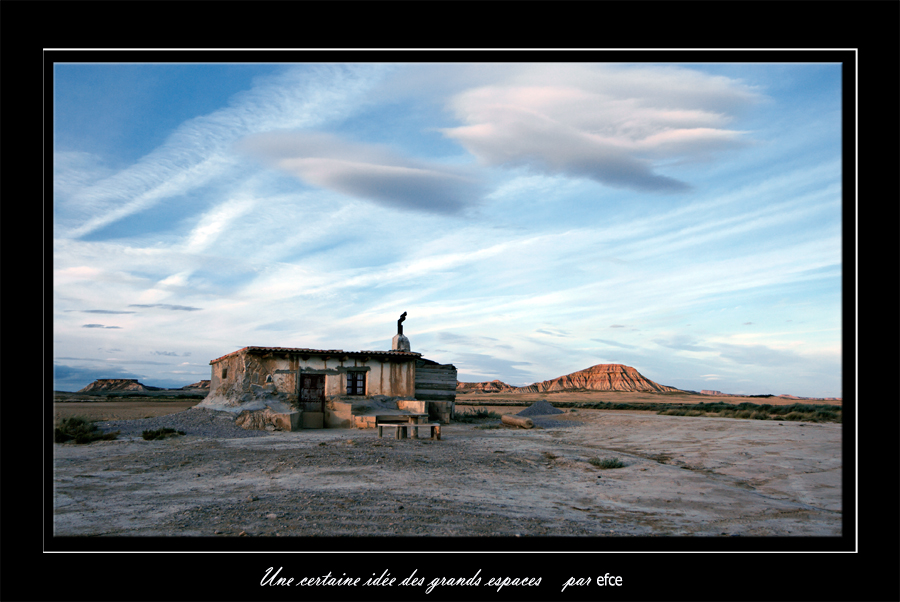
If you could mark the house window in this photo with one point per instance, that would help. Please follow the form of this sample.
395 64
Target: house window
356 383
224 373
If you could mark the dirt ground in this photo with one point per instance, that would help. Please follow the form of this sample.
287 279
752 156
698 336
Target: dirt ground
682 476
119 410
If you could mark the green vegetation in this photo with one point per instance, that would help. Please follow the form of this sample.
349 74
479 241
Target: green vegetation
81 430
160 434
807 412
794 412
479 414
606 462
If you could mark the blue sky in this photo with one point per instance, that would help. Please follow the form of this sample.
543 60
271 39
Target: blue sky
532 219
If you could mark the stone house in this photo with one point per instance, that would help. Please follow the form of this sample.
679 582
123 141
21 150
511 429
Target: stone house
332 388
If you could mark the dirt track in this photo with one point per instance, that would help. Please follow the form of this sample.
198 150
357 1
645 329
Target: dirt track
682 476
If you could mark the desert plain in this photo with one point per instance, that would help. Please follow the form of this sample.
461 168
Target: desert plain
680 476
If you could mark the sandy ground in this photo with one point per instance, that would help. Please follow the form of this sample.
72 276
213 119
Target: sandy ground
119 410
682 476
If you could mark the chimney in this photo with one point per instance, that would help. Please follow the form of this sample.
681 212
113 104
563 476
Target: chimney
400 342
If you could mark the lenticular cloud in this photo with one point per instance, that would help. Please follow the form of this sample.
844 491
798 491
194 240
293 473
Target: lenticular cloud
610 124
368 171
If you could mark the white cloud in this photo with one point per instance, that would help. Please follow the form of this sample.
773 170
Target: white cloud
200 150
600 122
370 172
215 222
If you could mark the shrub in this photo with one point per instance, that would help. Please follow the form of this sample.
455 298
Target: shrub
160 434
681 412
81 430
826 416
479 414
606 462
795 416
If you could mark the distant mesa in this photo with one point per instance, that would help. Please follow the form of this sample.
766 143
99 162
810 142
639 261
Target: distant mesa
495 386
116 384
602 377
131 385
202 385
786 396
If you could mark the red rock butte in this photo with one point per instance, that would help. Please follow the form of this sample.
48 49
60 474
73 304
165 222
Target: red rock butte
602 377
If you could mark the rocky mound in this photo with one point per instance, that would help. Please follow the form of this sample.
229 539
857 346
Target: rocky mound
540 408
602 377
116 384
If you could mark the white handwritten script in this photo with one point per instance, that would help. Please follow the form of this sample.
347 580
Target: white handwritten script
274 577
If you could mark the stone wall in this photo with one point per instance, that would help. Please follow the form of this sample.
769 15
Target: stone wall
243 377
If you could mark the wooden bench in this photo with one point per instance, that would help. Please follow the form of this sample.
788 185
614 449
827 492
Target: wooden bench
401 429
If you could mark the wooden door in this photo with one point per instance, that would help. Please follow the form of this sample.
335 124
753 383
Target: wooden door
312 392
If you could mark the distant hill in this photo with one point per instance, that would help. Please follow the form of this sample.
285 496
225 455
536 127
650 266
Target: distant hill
495 386
203 384
116 384
131 385
602 377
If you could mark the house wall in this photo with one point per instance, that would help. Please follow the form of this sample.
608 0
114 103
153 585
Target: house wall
230 384
278 371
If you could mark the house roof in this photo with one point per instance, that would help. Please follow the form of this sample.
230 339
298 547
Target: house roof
305 350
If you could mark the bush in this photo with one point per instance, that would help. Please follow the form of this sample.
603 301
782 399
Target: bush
479 414
606 462
795 416
160 434
681 412
826 416
81 430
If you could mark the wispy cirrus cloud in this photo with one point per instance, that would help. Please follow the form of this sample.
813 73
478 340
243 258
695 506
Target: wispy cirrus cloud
615 343
554 333
166 306
199 152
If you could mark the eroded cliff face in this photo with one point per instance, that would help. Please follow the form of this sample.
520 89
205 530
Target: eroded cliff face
602 377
